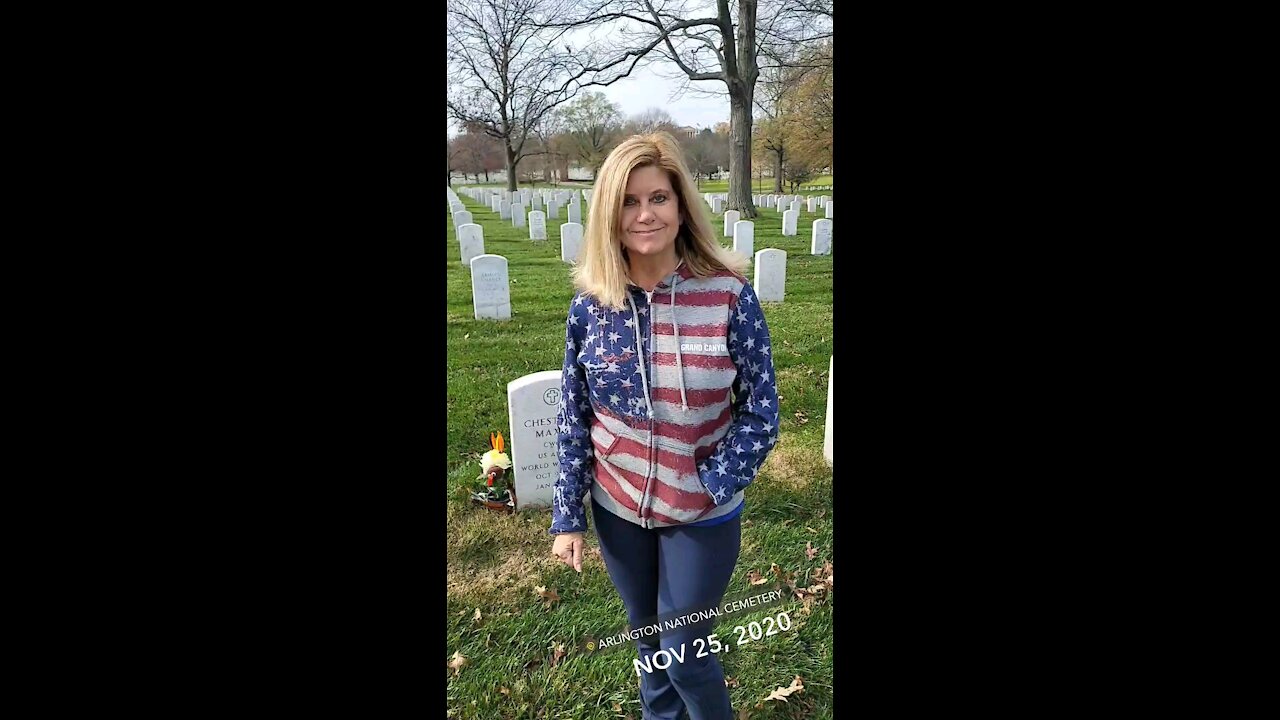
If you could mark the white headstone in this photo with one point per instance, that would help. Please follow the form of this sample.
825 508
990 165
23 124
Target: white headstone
456 206
717 205
537 202
831 204
828 445
575 213
771 274
553 210
789 222
813 204
821 244
504 209
744 237
470 242
570 242
460 218
795 205
490 287
537 225
533 402
730 217
517 215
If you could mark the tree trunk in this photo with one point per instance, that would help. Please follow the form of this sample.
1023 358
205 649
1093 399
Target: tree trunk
777 171
740 151
511 168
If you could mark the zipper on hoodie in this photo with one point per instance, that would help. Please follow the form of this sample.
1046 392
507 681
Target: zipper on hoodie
645 500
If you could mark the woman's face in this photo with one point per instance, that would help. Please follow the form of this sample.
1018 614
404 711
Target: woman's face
650 213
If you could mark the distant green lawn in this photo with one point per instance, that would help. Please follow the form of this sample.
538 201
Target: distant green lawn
496 561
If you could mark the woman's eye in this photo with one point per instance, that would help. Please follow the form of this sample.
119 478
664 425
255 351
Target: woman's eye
659 198
629 201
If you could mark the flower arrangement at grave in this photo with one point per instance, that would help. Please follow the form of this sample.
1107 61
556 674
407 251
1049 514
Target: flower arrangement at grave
494 483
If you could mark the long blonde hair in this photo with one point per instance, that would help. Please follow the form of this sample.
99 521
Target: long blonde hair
602 268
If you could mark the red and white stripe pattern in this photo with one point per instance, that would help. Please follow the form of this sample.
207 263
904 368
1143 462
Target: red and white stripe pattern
677 465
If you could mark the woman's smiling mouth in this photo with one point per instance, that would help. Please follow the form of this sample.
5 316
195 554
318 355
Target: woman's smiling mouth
645 232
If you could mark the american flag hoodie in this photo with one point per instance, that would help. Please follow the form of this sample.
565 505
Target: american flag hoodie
669 406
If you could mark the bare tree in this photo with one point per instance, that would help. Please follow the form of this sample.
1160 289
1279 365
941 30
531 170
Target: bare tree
720 46
651 120
716 47
509 67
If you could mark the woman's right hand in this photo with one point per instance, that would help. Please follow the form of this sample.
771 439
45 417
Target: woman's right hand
568 549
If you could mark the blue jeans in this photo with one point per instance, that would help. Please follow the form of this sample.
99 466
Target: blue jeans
666 570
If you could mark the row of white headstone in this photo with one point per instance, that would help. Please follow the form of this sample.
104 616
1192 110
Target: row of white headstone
491 284
512 206
743 233
537 224
471 242
526 195
532 406
774 202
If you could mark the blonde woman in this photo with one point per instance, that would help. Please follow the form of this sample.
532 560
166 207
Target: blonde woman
668 409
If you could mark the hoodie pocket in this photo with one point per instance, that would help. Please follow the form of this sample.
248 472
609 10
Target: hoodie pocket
603 443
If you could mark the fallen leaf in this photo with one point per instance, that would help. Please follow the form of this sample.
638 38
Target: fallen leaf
476 617
821 512
617 706
806 527
788 521
557 653
467 336
754 577
782 693
457 662
730 682
504 690
810 551
550 596
787 578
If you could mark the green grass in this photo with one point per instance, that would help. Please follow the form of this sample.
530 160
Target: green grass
496 561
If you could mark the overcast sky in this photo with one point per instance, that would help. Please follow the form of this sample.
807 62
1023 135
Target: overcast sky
644 89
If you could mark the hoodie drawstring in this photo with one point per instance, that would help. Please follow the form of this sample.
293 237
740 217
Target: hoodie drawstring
675 325
644 383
